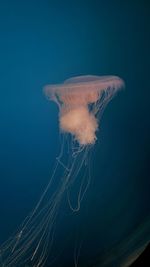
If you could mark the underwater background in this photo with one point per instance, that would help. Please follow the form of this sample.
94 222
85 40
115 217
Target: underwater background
45 42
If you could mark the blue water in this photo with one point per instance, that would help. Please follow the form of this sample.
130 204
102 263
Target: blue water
45 42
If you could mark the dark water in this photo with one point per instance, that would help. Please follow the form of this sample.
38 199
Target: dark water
45 42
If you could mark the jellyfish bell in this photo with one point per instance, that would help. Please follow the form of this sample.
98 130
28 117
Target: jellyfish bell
74 97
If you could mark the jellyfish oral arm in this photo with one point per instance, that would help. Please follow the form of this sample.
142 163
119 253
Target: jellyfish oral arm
81 123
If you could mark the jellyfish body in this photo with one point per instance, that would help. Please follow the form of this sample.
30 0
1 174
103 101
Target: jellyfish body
74 97
81 101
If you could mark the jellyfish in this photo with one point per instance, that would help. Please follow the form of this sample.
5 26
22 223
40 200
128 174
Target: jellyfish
81 101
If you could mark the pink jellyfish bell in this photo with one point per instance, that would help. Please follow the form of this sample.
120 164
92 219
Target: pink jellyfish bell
74 97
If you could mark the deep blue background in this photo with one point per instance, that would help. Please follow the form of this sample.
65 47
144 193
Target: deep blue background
45 42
